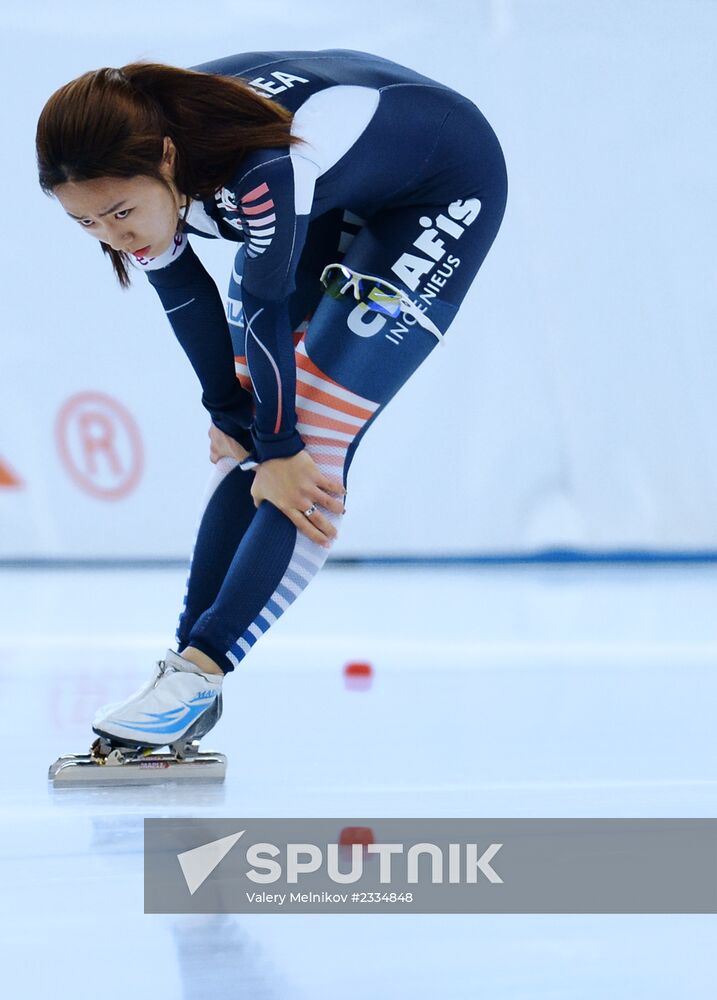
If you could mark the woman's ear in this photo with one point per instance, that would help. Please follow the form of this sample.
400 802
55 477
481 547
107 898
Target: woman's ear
169 151
169 160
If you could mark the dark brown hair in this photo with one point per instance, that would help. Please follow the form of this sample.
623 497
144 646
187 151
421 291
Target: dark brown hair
112 122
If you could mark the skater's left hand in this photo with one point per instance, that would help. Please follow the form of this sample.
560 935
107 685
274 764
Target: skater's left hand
223 446
293 485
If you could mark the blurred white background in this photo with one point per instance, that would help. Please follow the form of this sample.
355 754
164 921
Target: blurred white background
574 403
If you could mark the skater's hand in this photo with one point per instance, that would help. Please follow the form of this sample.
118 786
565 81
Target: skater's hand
293 485
223 446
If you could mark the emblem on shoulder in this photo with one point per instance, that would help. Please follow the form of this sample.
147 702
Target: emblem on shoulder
226 199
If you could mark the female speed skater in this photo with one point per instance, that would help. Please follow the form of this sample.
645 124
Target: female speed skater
363 198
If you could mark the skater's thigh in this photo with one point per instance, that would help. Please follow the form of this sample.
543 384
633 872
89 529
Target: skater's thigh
433 253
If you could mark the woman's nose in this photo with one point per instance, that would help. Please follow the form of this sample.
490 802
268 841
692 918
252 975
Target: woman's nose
124 243
118 239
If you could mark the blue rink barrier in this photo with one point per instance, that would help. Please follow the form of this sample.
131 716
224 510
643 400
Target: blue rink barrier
541 557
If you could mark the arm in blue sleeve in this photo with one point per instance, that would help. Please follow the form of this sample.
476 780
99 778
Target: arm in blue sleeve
266 202
195 311
272 367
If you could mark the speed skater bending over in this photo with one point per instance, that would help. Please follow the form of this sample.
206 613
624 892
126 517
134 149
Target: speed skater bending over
362 198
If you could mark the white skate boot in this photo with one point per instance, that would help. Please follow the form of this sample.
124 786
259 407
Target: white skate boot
179 703
175 708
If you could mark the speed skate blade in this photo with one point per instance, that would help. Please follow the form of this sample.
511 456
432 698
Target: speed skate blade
85 770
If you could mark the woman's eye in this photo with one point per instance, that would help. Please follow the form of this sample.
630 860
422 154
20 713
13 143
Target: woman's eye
121 215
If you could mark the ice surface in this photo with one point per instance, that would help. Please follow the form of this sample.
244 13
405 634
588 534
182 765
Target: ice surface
525 691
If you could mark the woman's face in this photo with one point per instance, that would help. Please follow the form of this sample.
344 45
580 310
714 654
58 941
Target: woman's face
128 213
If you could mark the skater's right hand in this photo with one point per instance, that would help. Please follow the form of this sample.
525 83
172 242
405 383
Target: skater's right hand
223 446
292 485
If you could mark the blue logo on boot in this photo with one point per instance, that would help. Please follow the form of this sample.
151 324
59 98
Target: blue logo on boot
174 719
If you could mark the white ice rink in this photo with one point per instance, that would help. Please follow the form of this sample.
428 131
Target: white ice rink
522 691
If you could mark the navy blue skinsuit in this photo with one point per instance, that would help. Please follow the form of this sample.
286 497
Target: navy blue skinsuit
399 177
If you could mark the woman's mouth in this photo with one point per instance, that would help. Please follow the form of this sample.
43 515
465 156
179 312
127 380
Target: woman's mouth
143 251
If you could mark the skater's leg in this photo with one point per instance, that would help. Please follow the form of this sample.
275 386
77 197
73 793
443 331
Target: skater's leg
431 250
349 365
227 510
274 562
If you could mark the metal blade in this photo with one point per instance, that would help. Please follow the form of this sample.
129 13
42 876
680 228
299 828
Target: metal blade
84 769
